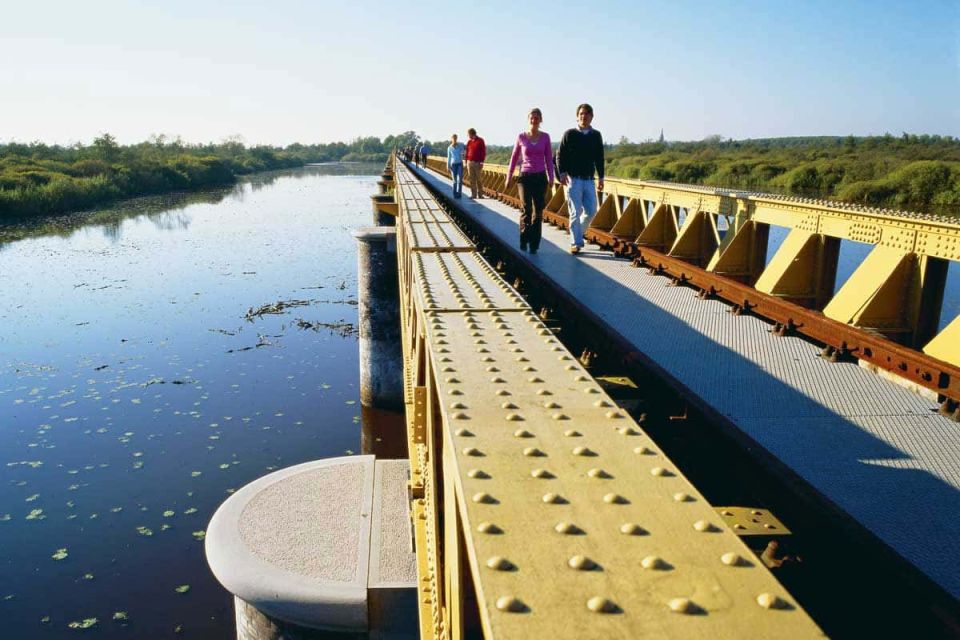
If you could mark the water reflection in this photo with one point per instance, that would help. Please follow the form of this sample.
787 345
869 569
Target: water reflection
136 394
166 211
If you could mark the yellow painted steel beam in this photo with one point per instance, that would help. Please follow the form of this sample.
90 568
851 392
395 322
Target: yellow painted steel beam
661 229
946 345
576 523
633 220
880 294
803 270
744 256
698 239
607 214
569 521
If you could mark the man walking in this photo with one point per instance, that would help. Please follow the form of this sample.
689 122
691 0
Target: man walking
424 152
579 156
476 154
455 164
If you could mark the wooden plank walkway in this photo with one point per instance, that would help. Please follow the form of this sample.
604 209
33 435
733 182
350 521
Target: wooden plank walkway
878 451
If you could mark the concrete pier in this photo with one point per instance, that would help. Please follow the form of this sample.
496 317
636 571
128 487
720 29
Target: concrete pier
381 358
384 210
323 545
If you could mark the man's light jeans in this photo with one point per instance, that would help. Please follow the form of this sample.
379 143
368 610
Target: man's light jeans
582 207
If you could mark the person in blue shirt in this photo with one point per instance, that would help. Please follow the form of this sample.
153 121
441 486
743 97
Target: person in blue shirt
455 164
424 152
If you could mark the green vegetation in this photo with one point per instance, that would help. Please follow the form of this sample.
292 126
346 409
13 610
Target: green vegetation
907 172
39 179
912 172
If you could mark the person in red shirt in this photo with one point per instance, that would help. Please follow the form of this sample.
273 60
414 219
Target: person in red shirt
476 154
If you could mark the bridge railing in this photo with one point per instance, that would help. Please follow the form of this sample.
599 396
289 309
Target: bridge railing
541 509
886 313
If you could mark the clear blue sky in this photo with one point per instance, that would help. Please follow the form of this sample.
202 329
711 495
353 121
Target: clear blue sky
319 71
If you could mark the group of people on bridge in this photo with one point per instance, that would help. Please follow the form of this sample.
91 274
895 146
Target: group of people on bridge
578 165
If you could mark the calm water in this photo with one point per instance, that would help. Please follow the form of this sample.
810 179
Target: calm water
135 396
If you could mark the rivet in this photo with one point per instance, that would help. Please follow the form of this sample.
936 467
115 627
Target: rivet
682 497
553 498
632 529
445 359
704 527
483 350
654 563
472 451
522 359
560 416
460 416
661 472
682 605
628 431
591 390
770 601
544 332
581 563
570 367
509 604
463 433
479 474
535 379
551 405
503 392
528 368
522 433
644 451
493 369
567 528
488 359
581 379
541 473
483 498
455 392
572 433
489 528
598 604
731 559
497 380
499 563
544 392
458 405
598 473
613 415
448 370
582 451
514 417
602 403
533 452
613 498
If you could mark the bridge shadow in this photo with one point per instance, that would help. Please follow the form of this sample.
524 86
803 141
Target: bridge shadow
878 452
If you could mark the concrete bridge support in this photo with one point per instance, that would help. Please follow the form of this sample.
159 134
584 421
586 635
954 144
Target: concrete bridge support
381 358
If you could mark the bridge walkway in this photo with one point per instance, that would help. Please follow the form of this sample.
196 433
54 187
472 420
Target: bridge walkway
879 452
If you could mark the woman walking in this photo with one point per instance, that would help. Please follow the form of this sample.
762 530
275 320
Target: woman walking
532 151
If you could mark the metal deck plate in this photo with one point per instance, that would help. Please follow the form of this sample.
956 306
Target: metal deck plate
457 281
878 451
437 236
560 488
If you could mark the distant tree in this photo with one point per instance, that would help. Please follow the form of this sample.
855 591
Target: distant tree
106 147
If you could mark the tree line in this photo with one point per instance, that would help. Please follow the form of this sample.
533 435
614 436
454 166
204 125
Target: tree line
920 173
912 172
38 179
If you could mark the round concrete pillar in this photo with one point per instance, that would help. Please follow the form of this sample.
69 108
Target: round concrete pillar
381 355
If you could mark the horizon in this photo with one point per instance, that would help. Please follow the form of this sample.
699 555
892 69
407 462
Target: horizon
170 140
324 71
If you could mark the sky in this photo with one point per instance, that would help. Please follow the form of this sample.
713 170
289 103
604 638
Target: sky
319 71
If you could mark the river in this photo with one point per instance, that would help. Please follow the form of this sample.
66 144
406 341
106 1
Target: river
139 387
